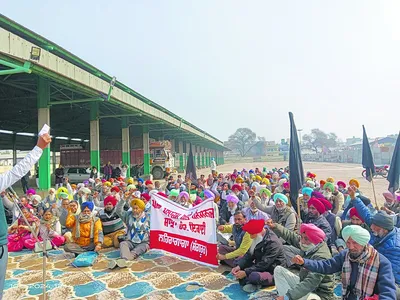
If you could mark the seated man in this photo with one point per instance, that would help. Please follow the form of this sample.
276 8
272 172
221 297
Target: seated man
113 227
308 285
87 233
256 268
242 240
280 213
355 219
365 272
228 209
137 239
316 209
385 237
252 212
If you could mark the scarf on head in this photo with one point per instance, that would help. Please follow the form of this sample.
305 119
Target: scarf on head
82 219
367 273
52 222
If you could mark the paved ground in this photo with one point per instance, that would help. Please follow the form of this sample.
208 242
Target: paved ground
338 171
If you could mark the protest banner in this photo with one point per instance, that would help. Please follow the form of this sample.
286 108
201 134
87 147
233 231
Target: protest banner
188 232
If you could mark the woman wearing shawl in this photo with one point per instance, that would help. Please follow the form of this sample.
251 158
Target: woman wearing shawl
20 232
49 229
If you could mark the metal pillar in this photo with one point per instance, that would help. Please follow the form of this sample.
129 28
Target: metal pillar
146 151
43 99
181 159
126 153
94 136
14 149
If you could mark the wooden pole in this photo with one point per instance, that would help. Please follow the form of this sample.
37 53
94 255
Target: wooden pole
299 214
373 189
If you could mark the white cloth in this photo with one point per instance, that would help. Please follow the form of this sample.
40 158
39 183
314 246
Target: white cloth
8 178
286 280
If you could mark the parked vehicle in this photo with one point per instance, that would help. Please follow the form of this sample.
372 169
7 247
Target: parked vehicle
76 174
379 171
162 162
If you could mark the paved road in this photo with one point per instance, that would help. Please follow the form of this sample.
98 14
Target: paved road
338 171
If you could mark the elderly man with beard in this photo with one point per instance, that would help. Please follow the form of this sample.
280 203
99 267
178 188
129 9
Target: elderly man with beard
307 194
355 219
228 209
280 213
334 196
226 253
315 215
113 227
391 205
253 213
87 232
240 193
50 199
256 268
307 285
366 273
137 239
385 237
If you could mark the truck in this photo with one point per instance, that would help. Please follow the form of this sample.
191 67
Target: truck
162 162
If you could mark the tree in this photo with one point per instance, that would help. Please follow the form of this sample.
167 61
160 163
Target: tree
318 139
242 140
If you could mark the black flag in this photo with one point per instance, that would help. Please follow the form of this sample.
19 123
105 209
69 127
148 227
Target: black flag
394 171
367 158
295 163
191 167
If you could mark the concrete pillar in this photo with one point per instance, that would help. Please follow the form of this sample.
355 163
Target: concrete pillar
94 135
146 151
43 99
222 157
126 153
203 157
181 158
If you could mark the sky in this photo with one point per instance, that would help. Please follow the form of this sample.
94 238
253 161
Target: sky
225 64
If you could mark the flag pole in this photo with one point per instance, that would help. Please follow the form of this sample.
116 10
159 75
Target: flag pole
373 189
298 215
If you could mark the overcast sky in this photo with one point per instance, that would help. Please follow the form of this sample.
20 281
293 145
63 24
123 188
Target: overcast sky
228 64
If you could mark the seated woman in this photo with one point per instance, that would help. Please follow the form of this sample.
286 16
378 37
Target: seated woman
20 232
87 232
49 229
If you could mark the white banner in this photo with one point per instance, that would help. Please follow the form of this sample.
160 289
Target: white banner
190 233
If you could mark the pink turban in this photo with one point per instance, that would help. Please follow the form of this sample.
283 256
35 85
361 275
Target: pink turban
389 195
232 198
314 234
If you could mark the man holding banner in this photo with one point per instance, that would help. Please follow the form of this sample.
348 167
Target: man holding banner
188 232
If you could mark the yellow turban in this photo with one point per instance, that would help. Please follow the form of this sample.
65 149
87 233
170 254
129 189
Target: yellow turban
330 179
63 190
139 203
266 181
130 181
107 184
258 178
239 180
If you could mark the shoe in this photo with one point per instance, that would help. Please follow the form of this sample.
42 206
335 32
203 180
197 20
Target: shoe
122 263
112 264
250 288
